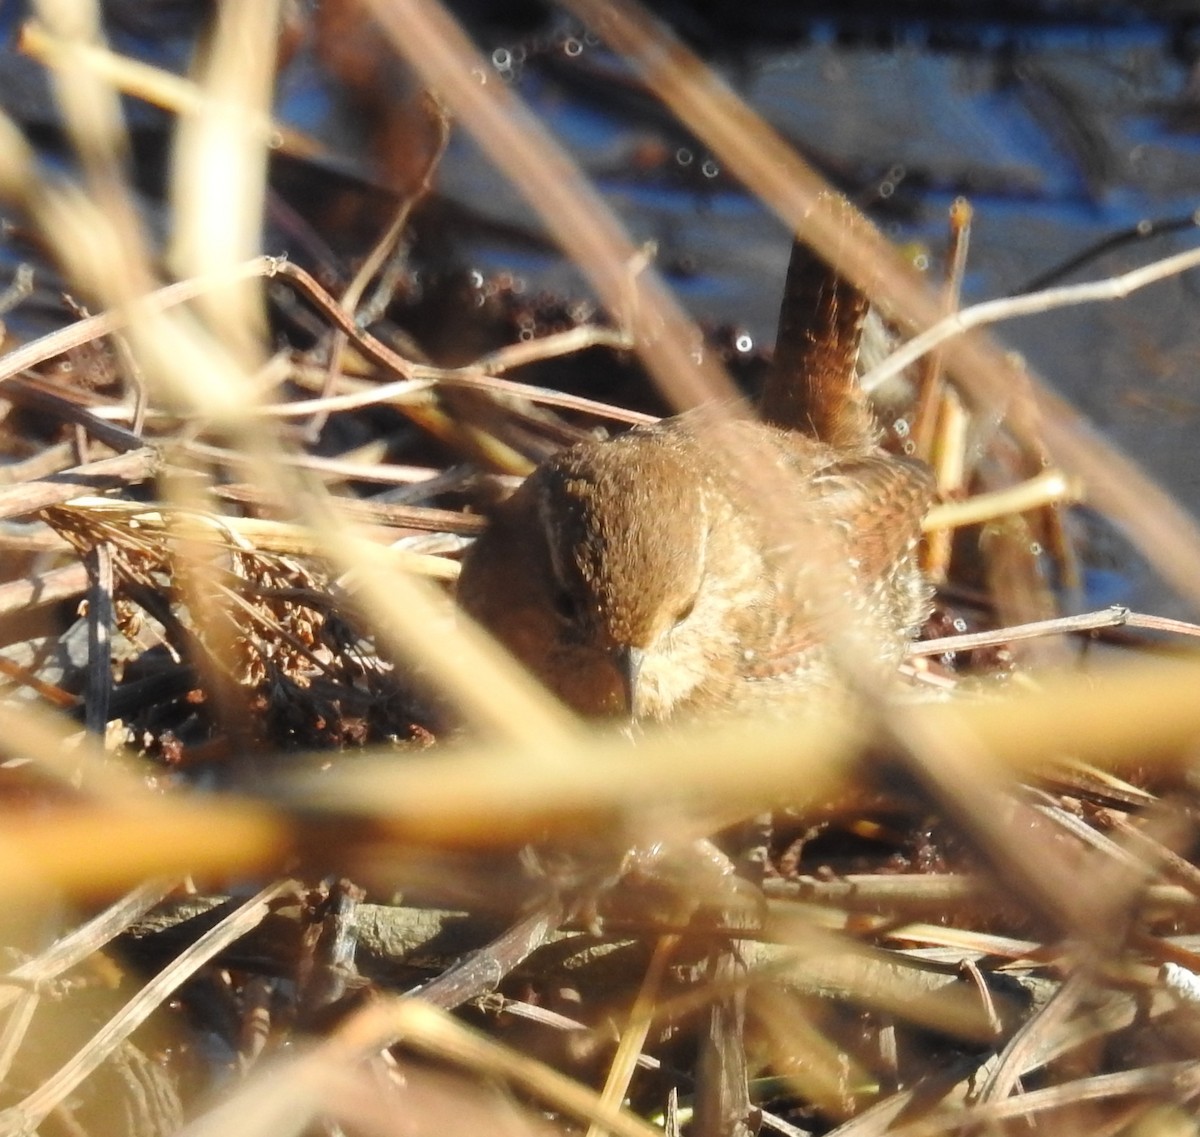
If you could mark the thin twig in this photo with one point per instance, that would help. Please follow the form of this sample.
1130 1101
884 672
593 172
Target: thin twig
100 619
30 393
1114 617
123 470
930 387
481 972
1170 1080
633 1037
104 323
473 376
1008 308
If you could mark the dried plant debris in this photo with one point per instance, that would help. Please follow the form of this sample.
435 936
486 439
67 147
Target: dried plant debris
370 878
225 621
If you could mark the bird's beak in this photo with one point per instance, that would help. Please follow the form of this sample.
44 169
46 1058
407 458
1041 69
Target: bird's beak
629 666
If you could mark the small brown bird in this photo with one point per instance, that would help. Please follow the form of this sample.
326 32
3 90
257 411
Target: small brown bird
703 565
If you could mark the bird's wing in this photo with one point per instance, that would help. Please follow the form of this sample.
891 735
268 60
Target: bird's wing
882 499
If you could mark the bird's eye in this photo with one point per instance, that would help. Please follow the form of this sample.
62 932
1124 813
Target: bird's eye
567 606
685 611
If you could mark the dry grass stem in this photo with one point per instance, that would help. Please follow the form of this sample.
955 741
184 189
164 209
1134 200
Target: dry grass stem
153 84
254 509
1115 617
1010 307
1050 488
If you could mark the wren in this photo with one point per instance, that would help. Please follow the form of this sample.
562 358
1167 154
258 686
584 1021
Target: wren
705 565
